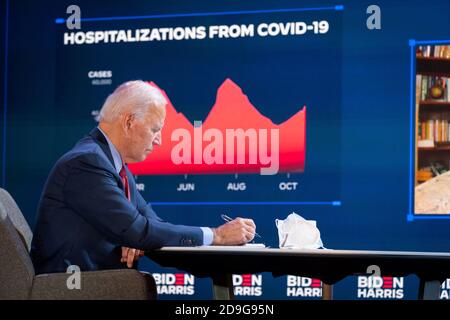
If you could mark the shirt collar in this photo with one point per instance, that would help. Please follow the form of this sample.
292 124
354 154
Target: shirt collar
115 154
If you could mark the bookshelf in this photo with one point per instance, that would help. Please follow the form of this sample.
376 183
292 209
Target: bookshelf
432 112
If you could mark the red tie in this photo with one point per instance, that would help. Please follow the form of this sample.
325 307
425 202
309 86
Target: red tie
123 175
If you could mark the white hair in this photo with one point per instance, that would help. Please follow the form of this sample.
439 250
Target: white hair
136 97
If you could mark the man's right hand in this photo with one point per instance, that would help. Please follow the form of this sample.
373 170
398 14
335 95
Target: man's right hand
235 232
130 255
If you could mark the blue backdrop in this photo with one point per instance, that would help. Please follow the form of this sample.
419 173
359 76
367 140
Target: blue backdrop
354 81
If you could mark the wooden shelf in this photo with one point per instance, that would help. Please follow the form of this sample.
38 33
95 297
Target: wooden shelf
433 66
437 148
430 106
433 59
434 103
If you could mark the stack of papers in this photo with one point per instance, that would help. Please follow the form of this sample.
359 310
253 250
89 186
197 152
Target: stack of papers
245 246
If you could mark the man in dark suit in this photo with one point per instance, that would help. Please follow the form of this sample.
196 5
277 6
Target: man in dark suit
91 214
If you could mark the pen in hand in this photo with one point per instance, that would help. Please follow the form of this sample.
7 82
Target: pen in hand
228 219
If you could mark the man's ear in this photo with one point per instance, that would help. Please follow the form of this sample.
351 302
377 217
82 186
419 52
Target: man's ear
128 121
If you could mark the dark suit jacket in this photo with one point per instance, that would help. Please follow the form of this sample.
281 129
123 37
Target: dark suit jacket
84 216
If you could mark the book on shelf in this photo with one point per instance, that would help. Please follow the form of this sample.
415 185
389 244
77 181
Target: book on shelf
437 130
425 143
433 51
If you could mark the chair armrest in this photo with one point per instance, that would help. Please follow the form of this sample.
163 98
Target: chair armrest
123 284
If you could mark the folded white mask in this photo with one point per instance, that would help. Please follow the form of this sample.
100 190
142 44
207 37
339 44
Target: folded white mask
297 233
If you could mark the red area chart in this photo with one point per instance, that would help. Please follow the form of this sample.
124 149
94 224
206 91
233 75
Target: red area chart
214 146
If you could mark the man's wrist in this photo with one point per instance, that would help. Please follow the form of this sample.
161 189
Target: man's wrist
217 239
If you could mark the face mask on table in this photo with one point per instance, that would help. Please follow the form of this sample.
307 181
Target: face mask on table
297 233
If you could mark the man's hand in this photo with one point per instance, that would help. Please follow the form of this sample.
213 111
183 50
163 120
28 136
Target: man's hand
235 232
129 255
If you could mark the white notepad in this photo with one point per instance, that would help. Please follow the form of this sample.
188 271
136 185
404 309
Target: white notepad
245 246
